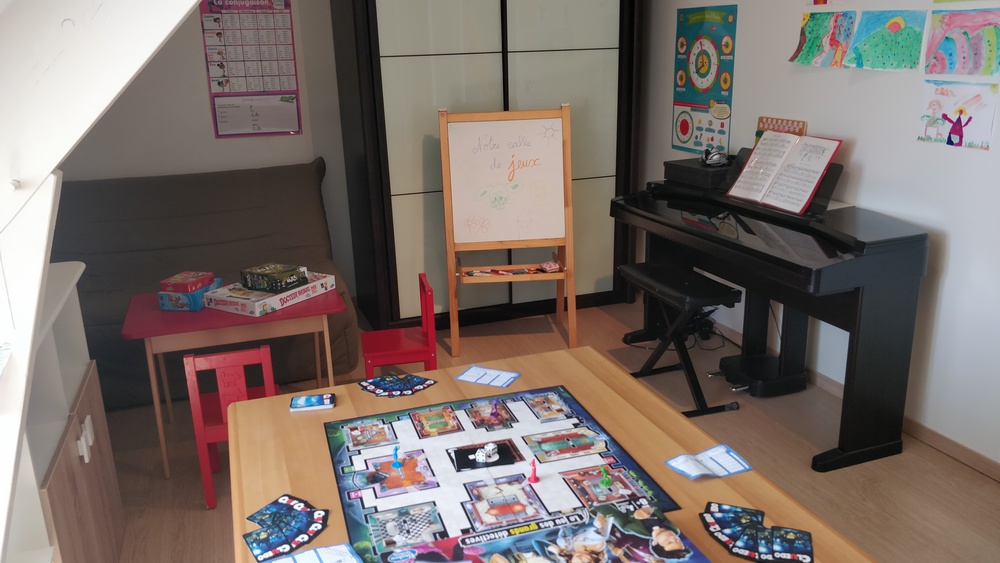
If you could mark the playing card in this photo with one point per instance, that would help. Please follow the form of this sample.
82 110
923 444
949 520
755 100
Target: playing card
791 545
286 523
724 534
267 543
765 541
746 545
737 518
752 515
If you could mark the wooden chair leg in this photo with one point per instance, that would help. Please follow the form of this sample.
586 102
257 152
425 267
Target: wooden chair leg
369 369
204 461
213 457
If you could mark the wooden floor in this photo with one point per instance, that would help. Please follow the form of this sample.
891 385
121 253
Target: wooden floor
917 506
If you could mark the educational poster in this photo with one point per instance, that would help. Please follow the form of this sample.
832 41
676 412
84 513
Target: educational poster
963 42
888 40
703 78
958 114
825 39
250 57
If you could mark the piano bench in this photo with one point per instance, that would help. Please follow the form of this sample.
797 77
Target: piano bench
680 293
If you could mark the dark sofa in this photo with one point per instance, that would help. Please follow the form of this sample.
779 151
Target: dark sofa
133 232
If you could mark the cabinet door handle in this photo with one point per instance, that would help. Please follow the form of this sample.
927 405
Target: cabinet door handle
86 439
88 430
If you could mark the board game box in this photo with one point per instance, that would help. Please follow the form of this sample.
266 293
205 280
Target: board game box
186 301
274 278
186 282
235 298
523 477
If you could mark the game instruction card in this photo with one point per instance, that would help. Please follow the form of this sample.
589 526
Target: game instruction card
720 461
487 376
340 553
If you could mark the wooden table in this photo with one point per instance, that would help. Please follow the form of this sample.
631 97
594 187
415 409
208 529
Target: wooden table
273 452
172 331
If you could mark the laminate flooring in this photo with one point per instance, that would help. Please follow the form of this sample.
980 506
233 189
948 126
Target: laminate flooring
920 505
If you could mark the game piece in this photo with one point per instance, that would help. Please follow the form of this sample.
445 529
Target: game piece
465 491
486 454
396 464
605 477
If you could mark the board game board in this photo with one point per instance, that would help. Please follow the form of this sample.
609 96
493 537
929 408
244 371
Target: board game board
456 481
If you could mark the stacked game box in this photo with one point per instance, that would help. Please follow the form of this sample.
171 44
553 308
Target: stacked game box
187 282
274 278
235 298
185 291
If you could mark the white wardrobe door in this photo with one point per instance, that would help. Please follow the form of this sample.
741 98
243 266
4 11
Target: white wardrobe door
432 27
546 25
588 81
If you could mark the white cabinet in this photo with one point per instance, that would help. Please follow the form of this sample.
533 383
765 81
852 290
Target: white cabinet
80 496
67 488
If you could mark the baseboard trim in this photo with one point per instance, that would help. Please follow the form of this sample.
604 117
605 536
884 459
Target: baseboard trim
917 431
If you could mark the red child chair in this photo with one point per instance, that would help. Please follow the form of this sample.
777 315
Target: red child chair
210 410
404 345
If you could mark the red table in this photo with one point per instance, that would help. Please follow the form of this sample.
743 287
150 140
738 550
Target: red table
172 331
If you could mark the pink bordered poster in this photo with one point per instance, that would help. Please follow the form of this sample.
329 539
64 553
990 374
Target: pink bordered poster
250 57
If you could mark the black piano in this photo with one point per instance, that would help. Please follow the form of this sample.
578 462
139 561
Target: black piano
855 269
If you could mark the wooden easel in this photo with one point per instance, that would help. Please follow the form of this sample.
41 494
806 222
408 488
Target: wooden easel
508 185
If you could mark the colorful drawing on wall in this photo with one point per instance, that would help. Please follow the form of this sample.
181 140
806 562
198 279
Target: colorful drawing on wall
963 42
958 114
825 39
888 40
703 78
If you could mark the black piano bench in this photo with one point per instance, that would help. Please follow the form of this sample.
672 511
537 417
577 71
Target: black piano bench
680 293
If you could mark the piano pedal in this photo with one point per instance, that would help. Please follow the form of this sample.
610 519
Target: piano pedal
739 387
716 373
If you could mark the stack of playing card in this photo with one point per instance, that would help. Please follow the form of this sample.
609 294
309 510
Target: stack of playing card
285 524
396 385
742 532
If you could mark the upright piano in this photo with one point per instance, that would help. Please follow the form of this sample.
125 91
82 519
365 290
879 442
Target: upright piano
855 269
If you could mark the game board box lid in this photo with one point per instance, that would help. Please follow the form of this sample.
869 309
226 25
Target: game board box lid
186 282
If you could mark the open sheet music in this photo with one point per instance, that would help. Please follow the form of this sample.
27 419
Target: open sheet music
784 170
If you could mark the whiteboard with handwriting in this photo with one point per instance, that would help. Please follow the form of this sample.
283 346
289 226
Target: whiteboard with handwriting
507 180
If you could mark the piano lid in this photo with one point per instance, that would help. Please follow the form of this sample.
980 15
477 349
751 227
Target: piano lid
807 240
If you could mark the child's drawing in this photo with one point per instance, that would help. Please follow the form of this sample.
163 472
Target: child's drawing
888 40
958 114
825 39
963 42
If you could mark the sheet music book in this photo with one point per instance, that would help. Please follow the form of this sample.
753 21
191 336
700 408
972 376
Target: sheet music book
784 170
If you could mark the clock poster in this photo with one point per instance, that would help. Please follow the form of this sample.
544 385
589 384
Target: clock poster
703 78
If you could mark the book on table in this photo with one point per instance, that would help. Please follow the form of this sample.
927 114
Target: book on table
784 170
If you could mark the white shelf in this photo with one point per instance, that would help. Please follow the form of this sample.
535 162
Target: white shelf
61 359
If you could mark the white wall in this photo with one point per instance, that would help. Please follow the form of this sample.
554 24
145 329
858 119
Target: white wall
952 193
162 123
63 67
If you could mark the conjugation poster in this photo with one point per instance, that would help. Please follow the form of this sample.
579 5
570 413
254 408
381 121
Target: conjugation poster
250 57
703 78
